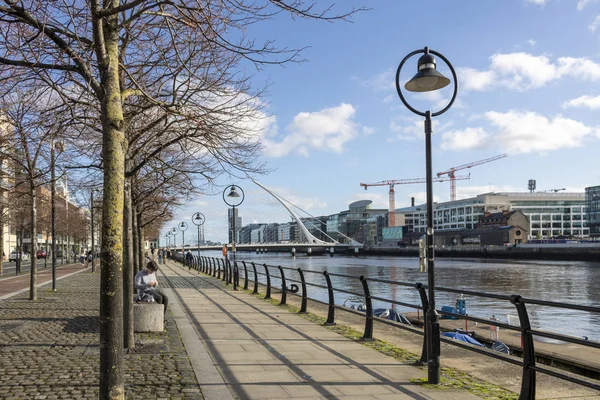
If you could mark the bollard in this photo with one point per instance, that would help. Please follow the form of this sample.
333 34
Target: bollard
293 252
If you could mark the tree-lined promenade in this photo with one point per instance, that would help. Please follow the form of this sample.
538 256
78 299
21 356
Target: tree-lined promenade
152 104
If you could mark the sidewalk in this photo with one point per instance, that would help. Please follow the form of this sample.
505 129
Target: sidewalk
243 347
49 348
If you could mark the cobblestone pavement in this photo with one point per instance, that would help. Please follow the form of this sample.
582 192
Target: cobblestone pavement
49 349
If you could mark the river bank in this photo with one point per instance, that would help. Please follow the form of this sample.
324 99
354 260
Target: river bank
566 253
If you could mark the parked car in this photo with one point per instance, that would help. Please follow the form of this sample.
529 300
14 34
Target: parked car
14 255
40 254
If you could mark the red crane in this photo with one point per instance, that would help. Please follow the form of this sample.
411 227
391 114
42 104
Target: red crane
392 212
452 177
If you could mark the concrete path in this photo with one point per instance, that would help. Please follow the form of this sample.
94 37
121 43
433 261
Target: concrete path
245 348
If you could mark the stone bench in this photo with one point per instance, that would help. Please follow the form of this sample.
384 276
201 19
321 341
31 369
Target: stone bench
148 317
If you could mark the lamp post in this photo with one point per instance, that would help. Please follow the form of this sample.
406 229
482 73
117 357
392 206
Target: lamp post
169 234
58 146
429 79
198 220
93 244
234 198
183 227
174 233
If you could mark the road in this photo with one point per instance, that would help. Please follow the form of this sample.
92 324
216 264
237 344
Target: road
8 268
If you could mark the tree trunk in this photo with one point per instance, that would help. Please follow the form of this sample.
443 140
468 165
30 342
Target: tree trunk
134 247
106 34
46 250
33 272
2 236
128 269
140 243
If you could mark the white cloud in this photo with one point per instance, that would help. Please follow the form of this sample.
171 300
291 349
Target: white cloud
382 81
329 129
537 2
523 71
532 42
593 103
594 25
413 129
581 4
466 139
527 132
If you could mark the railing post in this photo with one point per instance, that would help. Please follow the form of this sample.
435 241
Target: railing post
268 295
255 290
214 266
224 278
245 275
202 265
231 268
425 304
528 380
235 276
368 334
304 294
283 287
218 267
331 310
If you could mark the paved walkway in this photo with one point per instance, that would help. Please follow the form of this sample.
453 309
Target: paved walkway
243 347
11 285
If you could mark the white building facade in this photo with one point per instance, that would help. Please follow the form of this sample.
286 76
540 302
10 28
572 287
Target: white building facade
550 214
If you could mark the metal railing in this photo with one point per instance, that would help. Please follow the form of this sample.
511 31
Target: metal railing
298 286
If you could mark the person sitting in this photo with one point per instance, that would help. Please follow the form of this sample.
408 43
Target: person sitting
147 285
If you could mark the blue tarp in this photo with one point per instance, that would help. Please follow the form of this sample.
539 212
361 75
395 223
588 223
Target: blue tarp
462 337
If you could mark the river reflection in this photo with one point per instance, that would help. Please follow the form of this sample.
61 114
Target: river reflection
570 282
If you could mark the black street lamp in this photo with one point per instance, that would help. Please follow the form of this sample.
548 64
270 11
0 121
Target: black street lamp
428 79
174 233
198 220
92 227
168 236
53 147
183 227
234 198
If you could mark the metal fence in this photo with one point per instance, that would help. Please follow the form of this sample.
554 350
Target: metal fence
229 272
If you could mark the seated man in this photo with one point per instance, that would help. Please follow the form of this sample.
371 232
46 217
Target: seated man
147 285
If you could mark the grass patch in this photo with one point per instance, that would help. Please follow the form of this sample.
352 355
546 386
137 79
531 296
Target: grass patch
451 378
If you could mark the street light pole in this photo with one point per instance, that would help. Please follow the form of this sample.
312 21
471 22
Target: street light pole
198 220
92 217
429 79
53 211
235 197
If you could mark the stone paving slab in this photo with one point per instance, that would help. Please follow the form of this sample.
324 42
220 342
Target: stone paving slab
260 351
49 349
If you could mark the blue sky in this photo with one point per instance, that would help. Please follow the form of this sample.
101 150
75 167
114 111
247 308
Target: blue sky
529 75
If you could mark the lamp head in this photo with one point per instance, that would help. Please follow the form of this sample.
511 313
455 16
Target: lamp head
198 217
233 192
427 78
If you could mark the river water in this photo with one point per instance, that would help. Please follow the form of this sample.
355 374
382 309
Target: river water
570 282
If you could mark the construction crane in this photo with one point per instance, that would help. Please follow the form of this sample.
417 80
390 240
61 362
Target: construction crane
452 170
392 183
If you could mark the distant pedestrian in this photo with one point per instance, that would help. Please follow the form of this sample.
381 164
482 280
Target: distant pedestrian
160 254
82 257
189 259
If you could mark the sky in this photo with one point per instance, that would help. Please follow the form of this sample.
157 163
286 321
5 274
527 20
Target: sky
528 86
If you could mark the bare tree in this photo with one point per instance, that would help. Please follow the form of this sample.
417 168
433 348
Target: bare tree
109 55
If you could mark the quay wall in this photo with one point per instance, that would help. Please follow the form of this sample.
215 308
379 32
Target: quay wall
571 253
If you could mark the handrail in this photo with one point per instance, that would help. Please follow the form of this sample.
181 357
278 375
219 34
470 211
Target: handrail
528 363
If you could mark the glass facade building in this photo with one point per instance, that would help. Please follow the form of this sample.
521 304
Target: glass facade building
592 201
550 214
